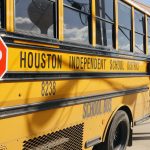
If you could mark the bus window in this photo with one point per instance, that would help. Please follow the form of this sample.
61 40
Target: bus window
35 17
76 20
149 35
124 34
139 32
0 14
104 22
2 17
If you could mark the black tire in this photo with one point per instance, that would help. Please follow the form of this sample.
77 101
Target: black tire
118 134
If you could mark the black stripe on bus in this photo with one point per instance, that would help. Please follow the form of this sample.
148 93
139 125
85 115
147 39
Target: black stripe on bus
12 111
86 51
20 76
70 47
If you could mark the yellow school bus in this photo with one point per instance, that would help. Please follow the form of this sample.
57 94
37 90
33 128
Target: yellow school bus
76 73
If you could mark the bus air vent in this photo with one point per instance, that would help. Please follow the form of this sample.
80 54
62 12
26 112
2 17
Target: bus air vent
66 139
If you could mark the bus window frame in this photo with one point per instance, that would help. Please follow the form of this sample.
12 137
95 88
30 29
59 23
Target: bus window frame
55 20
3 14
138 33
123 27
148 33
45 38
89 22
109 22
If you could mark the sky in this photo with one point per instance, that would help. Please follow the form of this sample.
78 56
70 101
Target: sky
147 2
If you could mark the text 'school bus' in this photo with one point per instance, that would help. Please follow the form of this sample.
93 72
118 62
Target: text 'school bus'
73 73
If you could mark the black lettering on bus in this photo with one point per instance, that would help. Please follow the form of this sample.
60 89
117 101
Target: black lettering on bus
77 62
81 63
43 63
22 59
72 62
54 61
37 60
59 62
30 59
85 62
40 60
88 63
101 64
133 66
92 63
48 59
95 63
116 65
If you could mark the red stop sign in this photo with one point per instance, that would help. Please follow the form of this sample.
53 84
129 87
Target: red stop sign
3 58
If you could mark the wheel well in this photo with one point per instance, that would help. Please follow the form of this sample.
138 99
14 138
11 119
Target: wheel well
129 114
128 111
123 108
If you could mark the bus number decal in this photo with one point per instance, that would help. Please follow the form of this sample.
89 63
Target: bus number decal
48 88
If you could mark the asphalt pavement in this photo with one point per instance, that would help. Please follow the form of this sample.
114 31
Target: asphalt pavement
141 136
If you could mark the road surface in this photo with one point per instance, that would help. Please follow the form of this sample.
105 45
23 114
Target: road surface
141 137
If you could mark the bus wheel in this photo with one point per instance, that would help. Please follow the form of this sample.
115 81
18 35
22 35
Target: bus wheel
118 135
